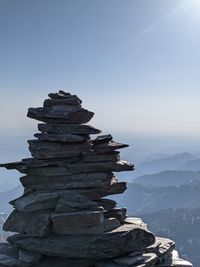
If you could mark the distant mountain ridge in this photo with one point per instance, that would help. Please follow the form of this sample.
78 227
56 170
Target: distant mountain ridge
169 178
173 162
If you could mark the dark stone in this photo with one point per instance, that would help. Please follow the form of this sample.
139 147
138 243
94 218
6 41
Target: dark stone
28 256
46 150
61 114
81 167
121 241
35 201
85 180
118 213
107 147
64 138
106 226
102 139
107 204
31 223
67 129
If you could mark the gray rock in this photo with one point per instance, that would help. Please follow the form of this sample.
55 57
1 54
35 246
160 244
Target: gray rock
62 95
67 129
28 256
107 204
65 101
46 150
35 201
121 241
32 223
162 247
118 213
77 202
62 221
9 256
65 138
173 260
145 260
136 221
85 180
63 262
85 167
102 139
8 261
110 146
106 226
61 114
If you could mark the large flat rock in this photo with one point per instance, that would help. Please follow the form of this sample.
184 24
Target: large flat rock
85 180
106 226
123 240
67 129
61 114
109 146
64 138
81 167
45 150
76 219
32 223
35 201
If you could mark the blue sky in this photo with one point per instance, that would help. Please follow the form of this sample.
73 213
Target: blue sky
135 63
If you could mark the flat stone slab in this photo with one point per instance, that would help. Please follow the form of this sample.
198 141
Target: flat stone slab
64 138
32 223
102 139
29 257
106 226
67 129
86 180
121 241
82 167
144 260
76 219
173 260
35 201
109 146
61 114
46 150
162 247
9 257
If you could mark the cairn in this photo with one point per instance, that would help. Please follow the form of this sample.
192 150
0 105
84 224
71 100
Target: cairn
63 218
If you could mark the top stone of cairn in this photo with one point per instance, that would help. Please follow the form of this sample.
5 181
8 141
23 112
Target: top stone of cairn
61 108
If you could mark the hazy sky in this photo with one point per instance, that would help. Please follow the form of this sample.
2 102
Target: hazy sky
135 63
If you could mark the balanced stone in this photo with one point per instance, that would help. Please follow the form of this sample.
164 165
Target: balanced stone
45 150
35 201
61 114
31 223
99 179
121 241
64 138
110 146
119 213
67 129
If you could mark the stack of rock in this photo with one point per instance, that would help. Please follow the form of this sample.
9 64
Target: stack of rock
63 218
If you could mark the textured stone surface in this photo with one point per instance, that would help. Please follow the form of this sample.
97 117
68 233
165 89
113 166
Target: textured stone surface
35 201
60 114
162 247
121 241
29 257
85 167
32 223
45 150
106 226
65 138
62 221
110 146
69 181
145 260
67 129
118 213
173 260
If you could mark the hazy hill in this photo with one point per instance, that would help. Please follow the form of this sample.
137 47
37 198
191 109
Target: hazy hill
192 165
169 178
181 225
167 163
146 199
